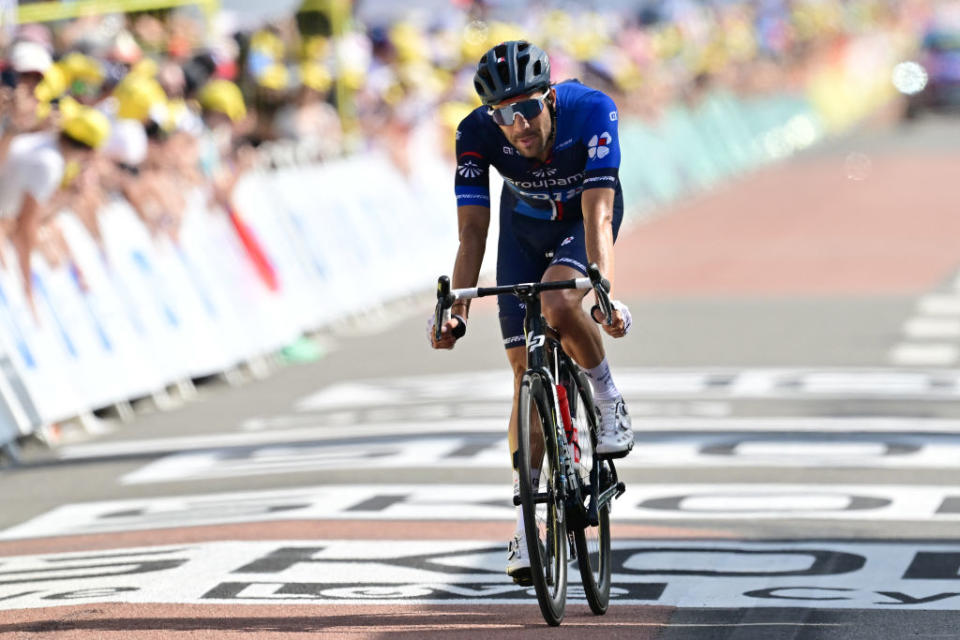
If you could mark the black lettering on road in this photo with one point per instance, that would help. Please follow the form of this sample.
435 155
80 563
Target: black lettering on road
773 593
730 448
80 594
48 574
281 559
675 503
824 563
950 504
903 598
17 595
378 503
399 591
934 565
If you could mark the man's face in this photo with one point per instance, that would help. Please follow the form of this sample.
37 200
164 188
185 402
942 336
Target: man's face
529 137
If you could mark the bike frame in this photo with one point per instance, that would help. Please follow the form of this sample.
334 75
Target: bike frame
538 336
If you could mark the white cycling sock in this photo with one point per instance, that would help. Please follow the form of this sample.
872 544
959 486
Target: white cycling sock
602 381
535 476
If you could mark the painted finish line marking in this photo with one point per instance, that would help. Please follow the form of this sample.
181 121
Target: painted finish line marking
638 383
496 426
878 451
718 574
641 503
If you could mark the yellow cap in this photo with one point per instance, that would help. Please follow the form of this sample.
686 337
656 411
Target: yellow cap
268 43
274 77
146 67
87 126
223 97
81 67
136 95
54 84
315 76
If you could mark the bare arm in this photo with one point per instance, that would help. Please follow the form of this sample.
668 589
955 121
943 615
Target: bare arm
474 221
24 240
597 207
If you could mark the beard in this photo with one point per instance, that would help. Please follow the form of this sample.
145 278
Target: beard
530 144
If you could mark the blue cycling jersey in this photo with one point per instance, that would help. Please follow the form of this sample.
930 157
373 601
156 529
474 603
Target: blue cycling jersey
585 155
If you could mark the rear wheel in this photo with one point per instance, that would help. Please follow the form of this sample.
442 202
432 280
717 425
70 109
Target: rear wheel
541 500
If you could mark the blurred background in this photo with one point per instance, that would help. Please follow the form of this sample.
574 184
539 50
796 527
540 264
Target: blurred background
197 187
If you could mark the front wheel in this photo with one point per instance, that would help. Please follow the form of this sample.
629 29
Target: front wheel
541 499
592 542
593 556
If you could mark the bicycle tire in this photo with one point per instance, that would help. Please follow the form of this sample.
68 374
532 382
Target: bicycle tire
546 542
592 543
593 558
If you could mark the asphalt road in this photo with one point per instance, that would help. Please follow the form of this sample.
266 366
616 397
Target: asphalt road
794 386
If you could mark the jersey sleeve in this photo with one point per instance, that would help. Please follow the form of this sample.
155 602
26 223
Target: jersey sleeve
472 181
602 140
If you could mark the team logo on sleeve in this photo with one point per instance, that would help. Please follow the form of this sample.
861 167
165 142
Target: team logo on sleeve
469 169
599 146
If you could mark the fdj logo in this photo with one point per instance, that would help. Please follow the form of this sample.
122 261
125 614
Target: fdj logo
599 145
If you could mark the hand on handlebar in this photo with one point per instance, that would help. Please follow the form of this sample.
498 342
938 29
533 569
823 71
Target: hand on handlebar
621 319
451 330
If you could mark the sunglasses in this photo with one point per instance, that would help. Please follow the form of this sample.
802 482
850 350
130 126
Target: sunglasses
529 109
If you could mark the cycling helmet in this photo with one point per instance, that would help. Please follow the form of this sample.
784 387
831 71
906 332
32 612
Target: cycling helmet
510 69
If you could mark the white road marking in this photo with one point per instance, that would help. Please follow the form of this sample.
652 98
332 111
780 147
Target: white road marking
695 573
926 355
936 328
939 305
642 503
653 450
326 433
644 384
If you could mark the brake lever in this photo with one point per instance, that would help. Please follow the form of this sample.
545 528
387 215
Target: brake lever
442 312
602 288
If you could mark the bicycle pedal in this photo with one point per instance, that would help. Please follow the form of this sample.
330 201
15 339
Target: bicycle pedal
614 456
522 577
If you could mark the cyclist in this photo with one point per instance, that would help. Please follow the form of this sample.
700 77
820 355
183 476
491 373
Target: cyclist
560 209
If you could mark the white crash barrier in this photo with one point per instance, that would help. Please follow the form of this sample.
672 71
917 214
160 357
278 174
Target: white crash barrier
133 314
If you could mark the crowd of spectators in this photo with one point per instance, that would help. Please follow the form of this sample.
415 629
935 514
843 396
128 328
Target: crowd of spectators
151 105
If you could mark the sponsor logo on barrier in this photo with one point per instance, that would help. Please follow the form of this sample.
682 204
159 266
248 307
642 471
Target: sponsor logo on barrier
698 573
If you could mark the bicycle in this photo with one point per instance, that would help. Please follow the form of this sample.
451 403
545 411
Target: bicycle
566 506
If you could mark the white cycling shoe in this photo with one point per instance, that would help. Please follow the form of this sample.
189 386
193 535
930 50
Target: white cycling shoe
518 561
616 433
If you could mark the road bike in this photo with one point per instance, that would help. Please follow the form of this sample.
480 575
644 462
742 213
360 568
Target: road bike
566 490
